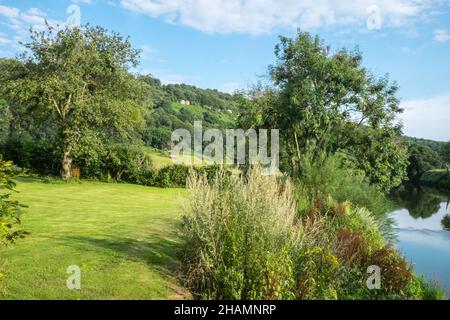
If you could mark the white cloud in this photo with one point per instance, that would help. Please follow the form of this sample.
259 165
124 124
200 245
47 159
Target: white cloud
82 1
441 35
147 51
427 118
9 12
21 21
264 16
4 41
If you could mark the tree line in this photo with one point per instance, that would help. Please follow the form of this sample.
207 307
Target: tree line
71 99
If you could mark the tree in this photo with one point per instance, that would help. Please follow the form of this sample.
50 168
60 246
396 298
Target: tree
320 100
446 153
421 159
76 81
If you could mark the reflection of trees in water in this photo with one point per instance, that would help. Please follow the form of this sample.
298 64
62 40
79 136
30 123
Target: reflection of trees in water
446 221
421 203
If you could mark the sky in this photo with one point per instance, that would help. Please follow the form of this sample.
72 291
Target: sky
229 44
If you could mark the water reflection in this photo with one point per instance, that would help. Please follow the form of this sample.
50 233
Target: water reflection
446 222
422 219
423 204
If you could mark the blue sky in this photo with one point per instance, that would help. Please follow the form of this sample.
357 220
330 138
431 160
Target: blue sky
228 44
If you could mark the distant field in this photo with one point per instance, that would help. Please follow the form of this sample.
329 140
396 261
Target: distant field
124 238
161 159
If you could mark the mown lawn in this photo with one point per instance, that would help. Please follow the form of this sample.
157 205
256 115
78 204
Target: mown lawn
123 237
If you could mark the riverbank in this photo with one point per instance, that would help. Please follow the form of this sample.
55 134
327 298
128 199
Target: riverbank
438 178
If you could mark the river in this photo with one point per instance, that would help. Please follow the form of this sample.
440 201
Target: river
423 233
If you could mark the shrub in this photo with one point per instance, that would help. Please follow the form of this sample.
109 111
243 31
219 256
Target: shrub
127 163
9 209
175 176
430 290
244 240
446 222
396 274
239 237
328 178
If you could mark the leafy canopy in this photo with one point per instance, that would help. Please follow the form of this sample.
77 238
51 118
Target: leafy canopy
75 82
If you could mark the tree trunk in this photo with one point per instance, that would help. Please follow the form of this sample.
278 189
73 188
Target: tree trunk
66 165
297 146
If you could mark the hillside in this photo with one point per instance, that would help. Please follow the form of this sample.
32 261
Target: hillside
177 106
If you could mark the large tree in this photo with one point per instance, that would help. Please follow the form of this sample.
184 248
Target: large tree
326 102
421 159
75 82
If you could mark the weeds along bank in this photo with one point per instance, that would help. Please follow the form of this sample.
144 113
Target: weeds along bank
245 238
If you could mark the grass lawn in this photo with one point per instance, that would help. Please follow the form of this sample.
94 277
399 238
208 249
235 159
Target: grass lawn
123 237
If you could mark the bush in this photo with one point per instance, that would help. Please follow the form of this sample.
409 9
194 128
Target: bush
243 240
436 178
239 237
127 163
9 209
175 176
446 222
328 178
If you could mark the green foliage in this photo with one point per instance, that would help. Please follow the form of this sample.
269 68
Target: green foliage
243 240
127 163
5 119
9 209
327 177
177 175
203 97
380 154
166 117
446 222
75 83
239 238
430 290
339 243
436 178
438 147
421 159
327 102
446 153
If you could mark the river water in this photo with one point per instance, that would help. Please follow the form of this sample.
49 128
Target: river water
423 234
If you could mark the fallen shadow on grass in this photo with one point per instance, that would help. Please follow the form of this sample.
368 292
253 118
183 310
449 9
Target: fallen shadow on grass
160 253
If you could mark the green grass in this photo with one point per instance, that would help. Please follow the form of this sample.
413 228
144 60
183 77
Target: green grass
159 158
124 238
195 109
